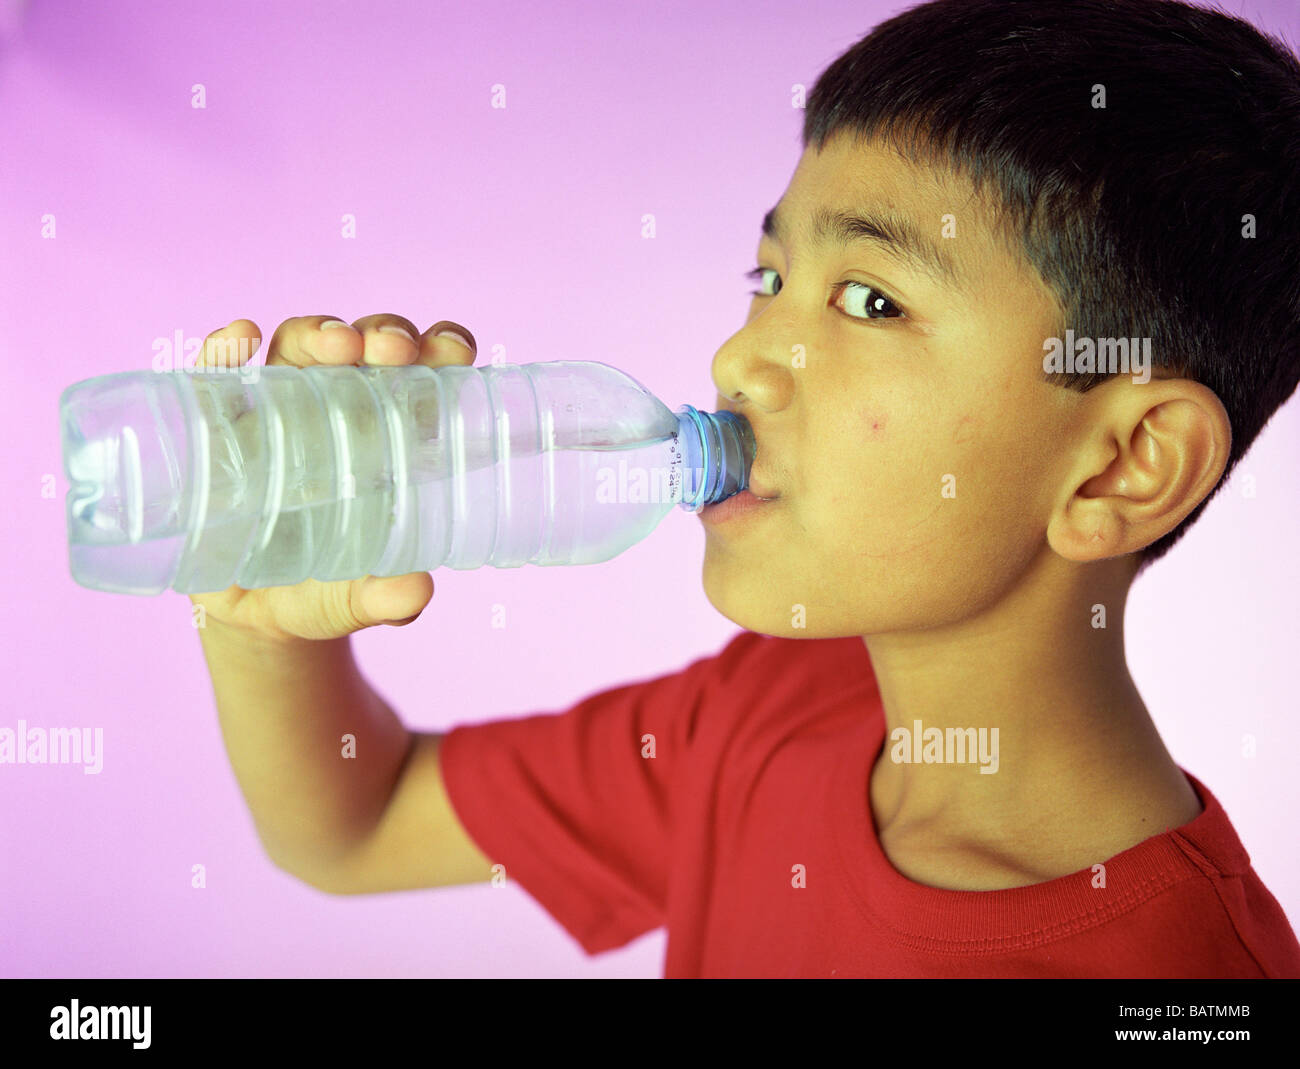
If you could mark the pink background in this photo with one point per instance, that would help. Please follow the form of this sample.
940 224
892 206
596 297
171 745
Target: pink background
525 225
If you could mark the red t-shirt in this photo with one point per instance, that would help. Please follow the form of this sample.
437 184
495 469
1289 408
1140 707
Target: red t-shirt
762 756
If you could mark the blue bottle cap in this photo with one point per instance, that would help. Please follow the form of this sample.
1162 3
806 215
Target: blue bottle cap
718 449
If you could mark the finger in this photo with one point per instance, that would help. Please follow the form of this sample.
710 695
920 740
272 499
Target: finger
389 339
396 601
231 346
447 343
320 610
306 340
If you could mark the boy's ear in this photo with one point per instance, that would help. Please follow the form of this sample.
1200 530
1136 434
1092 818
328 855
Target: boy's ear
1150 455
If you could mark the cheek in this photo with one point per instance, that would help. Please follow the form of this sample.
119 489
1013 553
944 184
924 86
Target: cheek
889 491
864 426
871 424
865 468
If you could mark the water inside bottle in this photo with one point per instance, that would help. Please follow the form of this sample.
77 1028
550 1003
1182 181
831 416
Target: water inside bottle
422 506
361 523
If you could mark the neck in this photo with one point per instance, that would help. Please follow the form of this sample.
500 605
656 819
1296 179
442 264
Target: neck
1075 742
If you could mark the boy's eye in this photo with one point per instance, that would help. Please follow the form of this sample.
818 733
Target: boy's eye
869 301
758 274
874 304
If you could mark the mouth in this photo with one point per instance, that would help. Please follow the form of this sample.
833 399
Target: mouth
745 503
755 486
760 490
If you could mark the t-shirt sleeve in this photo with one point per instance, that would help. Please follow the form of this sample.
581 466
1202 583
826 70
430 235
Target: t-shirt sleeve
578 805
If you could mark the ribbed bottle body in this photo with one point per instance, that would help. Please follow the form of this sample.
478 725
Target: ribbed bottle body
199 481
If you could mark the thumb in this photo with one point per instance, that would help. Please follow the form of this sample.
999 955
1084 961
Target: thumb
393 600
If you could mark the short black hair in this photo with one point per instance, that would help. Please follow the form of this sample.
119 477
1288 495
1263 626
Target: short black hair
1134 214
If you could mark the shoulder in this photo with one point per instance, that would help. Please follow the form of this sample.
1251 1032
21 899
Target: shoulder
762 688
756 662
1211 844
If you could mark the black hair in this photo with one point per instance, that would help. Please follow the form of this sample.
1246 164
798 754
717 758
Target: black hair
1136 214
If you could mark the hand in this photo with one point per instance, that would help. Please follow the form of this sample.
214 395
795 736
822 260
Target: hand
312 609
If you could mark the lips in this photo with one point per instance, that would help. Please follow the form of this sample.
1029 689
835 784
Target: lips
755 485
760 490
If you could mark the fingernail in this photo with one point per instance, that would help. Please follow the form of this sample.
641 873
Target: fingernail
458 336
334 324
397 330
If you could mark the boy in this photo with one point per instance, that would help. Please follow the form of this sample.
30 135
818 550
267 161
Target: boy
964 472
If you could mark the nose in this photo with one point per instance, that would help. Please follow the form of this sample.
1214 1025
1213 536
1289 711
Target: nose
754 369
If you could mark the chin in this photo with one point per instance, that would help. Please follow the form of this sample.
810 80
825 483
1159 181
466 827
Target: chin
745 598
787 607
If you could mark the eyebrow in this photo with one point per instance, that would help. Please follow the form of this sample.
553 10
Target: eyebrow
890 230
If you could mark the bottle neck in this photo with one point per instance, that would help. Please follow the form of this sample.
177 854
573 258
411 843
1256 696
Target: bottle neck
718 449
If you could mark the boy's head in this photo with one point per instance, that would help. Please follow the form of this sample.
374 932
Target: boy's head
1005 187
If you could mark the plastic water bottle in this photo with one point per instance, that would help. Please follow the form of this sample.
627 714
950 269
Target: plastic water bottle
196 480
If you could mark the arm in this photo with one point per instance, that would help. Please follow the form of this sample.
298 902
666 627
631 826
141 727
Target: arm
379 821
288 689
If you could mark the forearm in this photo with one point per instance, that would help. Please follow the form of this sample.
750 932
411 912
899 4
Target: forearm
284 710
